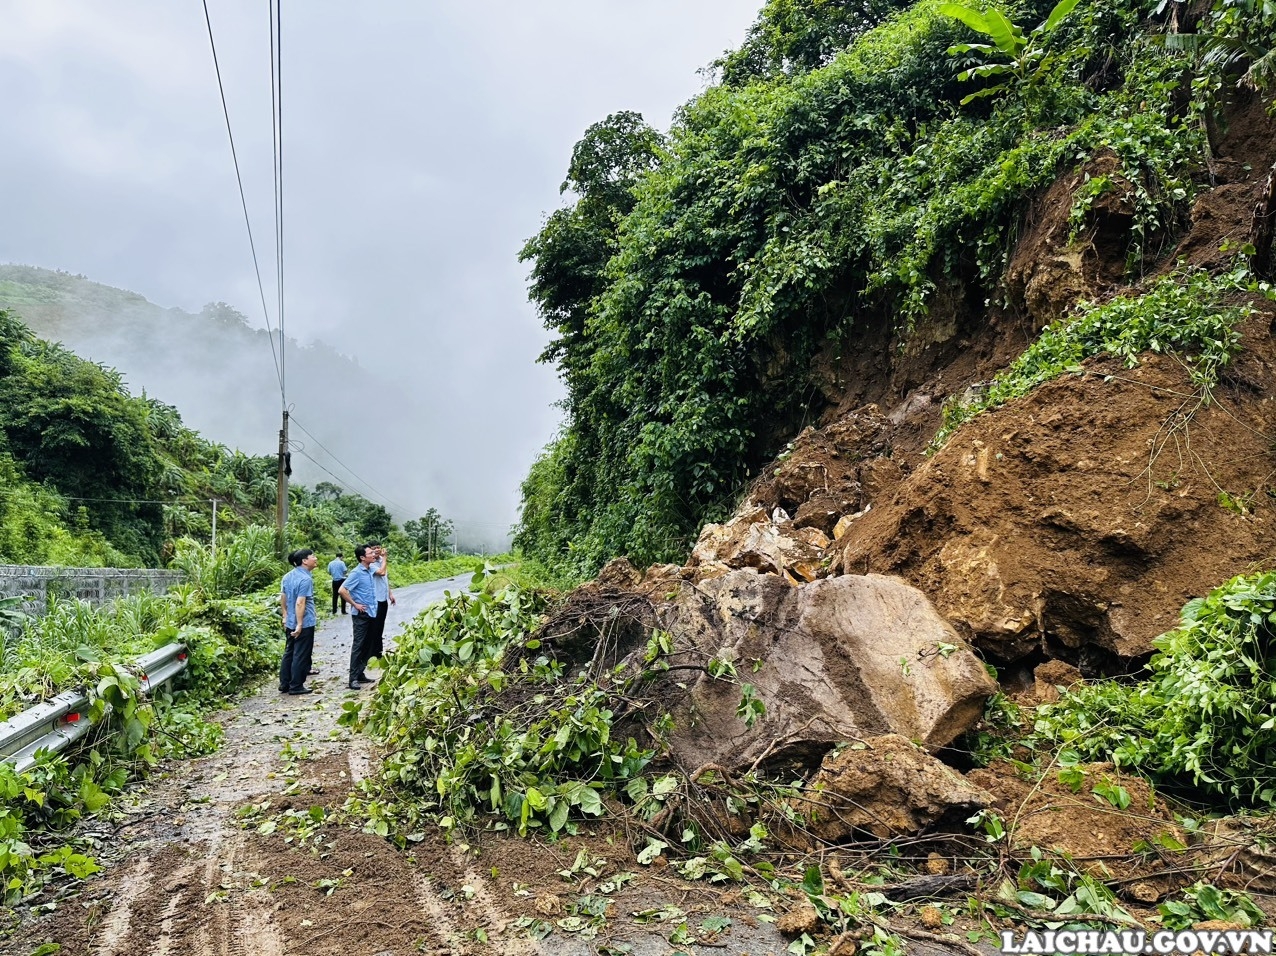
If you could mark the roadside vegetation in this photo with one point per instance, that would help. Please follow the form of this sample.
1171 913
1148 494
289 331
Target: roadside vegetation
849 168
231 637
91 476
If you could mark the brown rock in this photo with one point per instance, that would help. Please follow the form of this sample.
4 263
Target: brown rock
886 787
1049 677
548 904
812 537
752 540
1145 892
619 573
841 658
802 918
843 525
844 944
976 596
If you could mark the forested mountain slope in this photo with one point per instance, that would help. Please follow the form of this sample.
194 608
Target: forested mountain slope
214 366
93 475
845 218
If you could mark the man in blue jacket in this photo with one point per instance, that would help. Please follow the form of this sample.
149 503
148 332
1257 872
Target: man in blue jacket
361 593
337 571
297 608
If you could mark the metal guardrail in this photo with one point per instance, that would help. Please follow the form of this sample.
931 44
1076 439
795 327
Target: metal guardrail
60 721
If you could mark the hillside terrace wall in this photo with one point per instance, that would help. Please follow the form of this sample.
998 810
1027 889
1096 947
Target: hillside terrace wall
95 585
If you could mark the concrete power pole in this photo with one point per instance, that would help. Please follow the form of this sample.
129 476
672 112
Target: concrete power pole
281 497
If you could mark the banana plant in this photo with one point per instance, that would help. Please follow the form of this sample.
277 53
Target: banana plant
1018 58
1235 33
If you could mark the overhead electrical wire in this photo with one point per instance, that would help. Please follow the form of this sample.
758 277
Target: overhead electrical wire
363 481
275 354
277 148
276 122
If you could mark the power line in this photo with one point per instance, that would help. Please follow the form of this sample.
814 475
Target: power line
363 481
277 145
279 372
378 499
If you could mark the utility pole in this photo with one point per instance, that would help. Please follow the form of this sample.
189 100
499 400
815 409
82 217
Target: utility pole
281 496
214 527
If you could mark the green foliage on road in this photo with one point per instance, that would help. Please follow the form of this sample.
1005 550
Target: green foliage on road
231 636
815 201
463 747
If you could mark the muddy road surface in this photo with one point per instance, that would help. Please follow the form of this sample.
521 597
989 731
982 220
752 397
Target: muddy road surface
238 854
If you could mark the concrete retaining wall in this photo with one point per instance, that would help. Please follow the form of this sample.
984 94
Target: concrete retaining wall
95 585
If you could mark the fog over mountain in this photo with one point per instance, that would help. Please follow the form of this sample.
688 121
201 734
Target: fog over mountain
221 375
423 144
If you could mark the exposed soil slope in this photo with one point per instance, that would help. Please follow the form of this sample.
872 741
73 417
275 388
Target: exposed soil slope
1075 522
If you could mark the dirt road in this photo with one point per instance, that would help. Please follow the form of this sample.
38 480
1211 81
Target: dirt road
236 854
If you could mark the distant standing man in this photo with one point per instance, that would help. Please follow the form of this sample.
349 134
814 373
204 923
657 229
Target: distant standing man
297 608
385 597
337 569
359 590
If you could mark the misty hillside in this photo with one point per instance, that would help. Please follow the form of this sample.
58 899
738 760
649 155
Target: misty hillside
213 366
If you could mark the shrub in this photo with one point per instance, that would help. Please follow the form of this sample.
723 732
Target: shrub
1206 714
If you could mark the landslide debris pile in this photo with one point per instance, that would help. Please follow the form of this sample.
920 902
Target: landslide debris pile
944 407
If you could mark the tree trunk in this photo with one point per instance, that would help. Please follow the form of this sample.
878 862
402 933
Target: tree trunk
1260 233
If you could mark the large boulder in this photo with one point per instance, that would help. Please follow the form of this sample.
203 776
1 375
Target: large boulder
886 787
836 659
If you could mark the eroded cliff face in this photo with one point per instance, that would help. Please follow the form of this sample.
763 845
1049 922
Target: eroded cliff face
1073 523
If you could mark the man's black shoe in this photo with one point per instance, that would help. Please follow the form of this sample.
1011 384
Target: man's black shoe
283 690
354 685
304 690
364 678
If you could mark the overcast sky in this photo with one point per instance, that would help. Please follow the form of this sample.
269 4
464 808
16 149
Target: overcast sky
423 144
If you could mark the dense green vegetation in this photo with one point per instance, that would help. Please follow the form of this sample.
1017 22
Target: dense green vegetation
93 476
231 635
826 187
97 476
1206 713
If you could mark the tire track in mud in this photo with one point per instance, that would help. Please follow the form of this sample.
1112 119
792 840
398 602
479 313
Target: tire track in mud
500 919
468 901
200 878
135 882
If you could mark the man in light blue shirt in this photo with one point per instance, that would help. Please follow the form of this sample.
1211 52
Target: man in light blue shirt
297 608
337 569
361 594
385 597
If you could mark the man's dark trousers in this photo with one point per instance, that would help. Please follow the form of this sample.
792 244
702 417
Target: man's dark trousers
295 666
361 645
378 635
336 595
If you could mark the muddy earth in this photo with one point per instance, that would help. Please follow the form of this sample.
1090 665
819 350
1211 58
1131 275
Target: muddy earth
194 868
